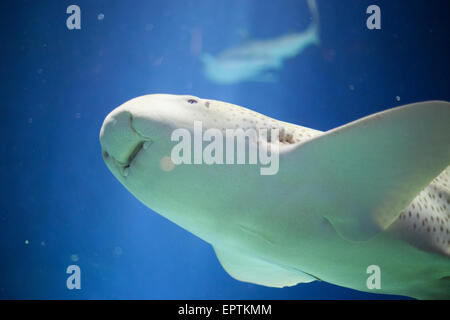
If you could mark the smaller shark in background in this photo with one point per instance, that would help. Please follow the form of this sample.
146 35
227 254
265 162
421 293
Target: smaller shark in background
252 61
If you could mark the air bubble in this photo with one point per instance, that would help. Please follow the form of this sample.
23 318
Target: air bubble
74 257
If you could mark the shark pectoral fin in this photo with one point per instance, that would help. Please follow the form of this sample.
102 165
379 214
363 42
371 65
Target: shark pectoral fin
369 170
251 269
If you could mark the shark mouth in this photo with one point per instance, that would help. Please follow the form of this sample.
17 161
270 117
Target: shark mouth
142 145
134 153
123 167
121 142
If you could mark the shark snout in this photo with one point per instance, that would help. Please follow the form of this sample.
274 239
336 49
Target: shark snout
120 142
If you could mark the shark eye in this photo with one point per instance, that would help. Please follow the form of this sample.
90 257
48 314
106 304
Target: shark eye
192 101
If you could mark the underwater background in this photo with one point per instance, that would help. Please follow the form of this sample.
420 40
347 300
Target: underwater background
61 205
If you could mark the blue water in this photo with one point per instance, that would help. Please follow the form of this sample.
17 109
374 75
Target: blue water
61 205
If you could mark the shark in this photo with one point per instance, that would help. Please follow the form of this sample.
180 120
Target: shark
373 192
254 60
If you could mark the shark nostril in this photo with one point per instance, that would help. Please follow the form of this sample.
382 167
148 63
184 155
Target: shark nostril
105 154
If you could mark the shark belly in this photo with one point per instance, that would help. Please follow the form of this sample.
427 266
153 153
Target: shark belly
412 254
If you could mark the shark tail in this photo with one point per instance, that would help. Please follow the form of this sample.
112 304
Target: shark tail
314 27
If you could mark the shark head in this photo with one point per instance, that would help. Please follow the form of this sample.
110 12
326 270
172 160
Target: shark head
147 121
150 122
136 145
137 141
